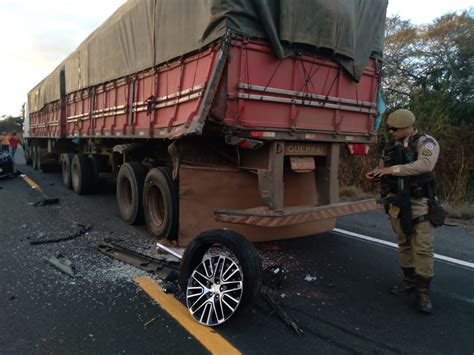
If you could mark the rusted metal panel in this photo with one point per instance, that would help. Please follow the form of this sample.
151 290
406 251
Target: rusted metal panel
270 181
202 189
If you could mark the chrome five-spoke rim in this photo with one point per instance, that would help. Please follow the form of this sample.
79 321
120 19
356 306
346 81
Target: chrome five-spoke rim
214 290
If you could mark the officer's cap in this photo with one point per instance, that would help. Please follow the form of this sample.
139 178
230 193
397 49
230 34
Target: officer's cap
401 118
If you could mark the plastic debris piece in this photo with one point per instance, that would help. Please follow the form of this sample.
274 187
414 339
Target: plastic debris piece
150 321
164 269
63 264
83 231
267 296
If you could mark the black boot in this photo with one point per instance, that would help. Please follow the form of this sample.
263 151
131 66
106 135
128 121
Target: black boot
423 302
407 285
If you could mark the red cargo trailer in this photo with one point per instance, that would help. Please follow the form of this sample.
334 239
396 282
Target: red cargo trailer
231 135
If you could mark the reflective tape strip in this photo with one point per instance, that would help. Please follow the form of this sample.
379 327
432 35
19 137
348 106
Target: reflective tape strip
295 217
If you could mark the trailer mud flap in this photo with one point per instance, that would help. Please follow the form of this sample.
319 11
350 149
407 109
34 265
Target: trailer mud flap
263 216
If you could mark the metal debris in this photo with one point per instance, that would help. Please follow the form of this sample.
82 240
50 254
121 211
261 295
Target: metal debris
268 297
46 199
63 264
84 230
164 269
272 276
150 321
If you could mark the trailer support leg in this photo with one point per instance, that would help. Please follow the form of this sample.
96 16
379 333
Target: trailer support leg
327 177
270 181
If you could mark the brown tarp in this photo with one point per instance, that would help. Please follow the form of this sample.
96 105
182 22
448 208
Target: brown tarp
144 33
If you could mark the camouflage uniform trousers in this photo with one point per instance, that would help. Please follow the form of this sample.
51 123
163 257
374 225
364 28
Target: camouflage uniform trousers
416 251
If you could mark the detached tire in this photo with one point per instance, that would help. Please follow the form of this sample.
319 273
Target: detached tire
66 163
81 174
130 180
249 269
160 203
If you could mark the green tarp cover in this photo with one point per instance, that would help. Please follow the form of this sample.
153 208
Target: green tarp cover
144 33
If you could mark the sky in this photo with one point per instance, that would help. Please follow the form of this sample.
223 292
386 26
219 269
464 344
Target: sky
35 36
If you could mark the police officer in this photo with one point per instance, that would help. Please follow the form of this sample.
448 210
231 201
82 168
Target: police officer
415 248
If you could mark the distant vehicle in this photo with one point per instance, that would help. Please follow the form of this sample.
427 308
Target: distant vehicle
228 116
6 164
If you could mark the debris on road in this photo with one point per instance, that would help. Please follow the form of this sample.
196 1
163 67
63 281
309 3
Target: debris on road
310 278
63 264
46 199
268 297
84 230
272 276
164 269
149 322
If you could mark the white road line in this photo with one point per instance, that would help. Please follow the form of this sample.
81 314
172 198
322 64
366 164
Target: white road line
394 245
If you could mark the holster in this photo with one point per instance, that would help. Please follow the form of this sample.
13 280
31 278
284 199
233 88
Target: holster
436 213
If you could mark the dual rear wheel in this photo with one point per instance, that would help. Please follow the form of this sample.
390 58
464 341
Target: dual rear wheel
150 196
79 172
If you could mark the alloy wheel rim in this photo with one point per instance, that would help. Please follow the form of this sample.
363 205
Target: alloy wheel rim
214 290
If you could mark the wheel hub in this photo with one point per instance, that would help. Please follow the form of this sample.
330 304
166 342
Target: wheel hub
214 290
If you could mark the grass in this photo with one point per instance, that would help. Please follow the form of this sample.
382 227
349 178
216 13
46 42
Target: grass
462 212
353 193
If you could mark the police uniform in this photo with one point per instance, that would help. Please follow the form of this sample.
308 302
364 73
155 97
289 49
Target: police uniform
417 252
416 247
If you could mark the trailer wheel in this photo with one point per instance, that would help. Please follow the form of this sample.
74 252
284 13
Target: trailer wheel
28 156
130 182
217 285
66 163
81 174
97 167
38 159
34 153
160 203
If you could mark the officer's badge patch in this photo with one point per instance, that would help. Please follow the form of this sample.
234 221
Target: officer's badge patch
427 153
429 146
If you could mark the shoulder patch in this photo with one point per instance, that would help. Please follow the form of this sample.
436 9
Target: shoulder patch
429 145
429 139
427 153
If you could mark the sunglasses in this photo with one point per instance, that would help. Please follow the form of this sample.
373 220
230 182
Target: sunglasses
393 129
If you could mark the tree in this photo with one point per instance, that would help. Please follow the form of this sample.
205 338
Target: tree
429 69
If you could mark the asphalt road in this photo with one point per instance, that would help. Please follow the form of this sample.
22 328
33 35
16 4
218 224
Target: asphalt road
345 308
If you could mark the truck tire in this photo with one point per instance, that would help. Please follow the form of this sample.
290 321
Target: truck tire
95 161
247 274
66 163
39 165
160 203
130 180
28 156
81 174
34 153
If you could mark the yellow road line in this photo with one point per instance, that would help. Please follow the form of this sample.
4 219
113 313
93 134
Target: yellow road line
30 182
205 335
